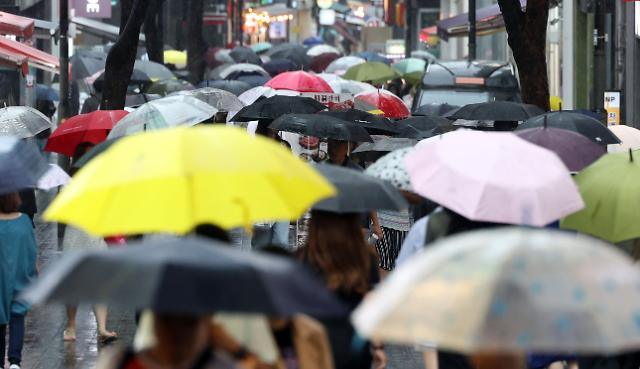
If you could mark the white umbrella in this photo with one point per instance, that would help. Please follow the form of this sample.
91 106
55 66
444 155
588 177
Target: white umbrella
629 136
250 96
510 290
322 49
54 177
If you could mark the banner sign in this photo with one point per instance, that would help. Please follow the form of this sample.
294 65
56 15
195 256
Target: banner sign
326 98
92 8
612 106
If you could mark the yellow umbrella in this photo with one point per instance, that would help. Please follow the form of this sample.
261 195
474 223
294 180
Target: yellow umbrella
174 179
176 57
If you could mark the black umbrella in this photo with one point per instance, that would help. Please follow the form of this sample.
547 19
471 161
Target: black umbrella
21 164
235 87
189 276
358 192
435 109
423 123
277 66
496 111
274 107
293 52
243 54
321 126
85 63
138 77
372 151
410 132
580 123
95 151
374 124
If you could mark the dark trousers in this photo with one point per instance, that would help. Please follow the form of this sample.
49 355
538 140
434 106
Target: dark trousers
16 339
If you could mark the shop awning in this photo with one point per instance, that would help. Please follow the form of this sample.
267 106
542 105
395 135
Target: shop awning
13 60
16 25
37 58
100 29
488 20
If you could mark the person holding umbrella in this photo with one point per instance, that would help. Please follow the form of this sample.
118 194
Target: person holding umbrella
18 250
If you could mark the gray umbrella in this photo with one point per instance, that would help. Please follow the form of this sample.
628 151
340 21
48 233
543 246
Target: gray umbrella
321 126
21 165
372 151
235 87
219 99
186 275
358 192
22 121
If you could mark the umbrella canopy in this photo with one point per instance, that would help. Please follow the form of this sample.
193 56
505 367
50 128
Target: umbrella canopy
494 177
320 62
423 123
85 63
53 177
381 146
510 290
354 87
322 49
321 126
253 80
46 93
168 86
277 66
181 177
187 276
586 126
94 151
22 121
411 69
21 165
391 105
575 150
167 112
375 72
252 95
226 71
392 168
133 101
294 52
235 87
276 106
358 192
299 81
144 71
373 57
219 99
496 110
311 41
241 54
261 47
176 57
374 124
341 65
609 189
414 133
629 136
91 127
435 109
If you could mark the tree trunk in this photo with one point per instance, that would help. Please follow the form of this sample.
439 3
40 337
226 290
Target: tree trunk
527 35
196 45
122 56
153 31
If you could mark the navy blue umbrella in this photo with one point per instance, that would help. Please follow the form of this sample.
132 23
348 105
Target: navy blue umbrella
21 164
46 93
277 66
313 41
371 56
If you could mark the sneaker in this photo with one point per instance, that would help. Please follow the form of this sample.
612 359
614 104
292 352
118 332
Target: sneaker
14 366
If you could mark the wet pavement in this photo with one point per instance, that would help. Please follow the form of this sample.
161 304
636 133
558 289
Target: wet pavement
44 347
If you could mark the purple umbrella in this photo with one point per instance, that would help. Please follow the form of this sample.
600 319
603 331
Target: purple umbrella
575 150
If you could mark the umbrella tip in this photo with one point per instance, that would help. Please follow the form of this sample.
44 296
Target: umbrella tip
630 155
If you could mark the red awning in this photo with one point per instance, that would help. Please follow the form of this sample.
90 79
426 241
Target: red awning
11 59
37 58
16 25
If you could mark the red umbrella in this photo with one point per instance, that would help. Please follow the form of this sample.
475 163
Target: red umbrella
299 81
92 127
391 105
320 62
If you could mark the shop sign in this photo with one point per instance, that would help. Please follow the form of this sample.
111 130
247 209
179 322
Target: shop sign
612 100
92 8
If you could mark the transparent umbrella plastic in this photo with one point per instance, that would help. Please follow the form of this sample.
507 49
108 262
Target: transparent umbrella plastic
219 99
22 121
167 112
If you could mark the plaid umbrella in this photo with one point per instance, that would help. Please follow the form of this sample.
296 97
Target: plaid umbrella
21 165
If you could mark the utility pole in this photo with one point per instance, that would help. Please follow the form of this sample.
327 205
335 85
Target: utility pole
63 107
472 30
599 54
